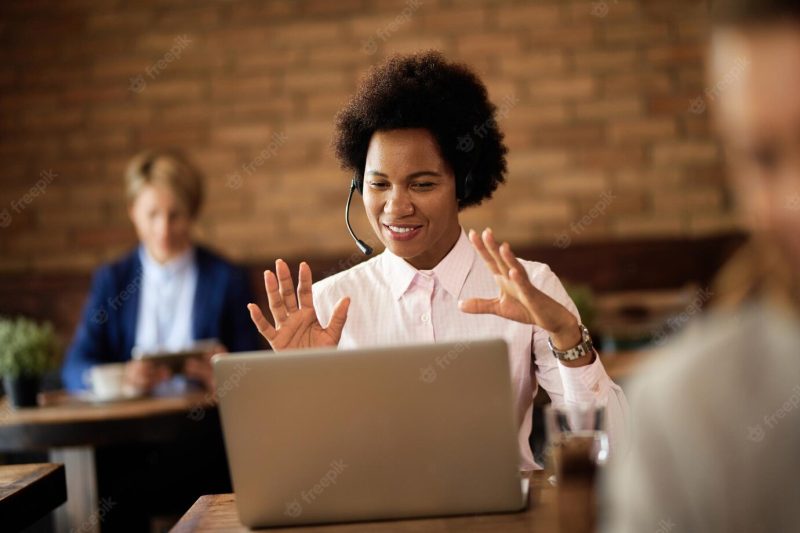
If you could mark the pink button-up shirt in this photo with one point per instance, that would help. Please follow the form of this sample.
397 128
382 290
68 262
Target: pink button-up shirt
394 303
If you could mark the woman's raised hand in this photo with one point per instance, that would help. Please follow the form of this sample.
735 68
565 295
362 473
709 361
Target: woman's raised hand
296 322
519 300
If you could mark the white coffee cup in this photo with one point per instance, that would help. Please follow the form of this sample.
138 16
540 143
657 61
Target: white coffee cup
108 381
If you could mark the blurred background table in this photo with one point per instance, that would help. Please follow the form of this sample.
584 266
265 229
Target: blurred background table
70 429
29 492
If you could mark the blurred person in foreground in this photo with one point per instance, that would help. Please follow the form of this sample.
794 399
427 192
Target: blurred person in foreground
402 135
716 418
168 292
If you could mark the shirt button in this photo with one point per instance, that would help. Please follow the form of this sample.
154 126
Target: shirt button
425 317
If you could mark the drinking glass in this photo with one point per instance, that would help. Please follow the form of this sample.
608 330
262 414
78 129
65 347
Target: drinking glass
577 446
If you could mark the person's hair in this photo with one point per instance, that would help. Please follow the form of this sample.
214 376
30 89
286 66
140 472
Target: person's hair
741 13
169 168
426 91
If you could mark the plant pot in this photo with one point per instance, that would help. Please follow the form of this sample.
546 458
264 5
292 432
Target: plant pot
22 390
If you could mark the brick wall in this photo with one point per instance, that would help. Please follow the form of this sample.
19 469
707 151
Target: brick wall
599 101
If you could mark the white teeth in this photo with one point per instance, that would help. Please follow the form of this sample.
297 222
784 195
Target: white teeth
397 229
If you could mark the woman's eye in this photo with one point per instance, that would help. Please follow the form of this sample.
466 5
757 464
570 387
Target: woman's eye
377 185
425 185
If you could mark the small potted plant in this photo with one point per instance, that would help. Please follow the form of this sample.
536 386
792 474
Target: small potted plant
27 352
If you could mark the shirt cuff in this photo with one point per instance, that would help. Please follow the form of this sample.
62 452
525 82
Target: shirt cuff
585 383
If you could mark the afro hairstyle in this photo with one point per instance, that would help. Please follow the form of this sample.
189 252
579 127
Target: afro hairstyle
426 91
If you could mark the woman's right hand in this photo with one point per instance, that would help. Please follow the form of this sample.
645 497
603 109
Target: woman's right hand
296 322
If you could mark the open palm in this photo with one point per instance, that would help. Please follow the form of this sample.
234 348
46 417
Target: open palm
518 300
296 322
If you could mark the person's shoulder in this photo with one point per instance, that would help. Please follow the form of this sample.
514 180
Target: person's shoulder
366 272
217 265
207 255
121 268
542 276
721 352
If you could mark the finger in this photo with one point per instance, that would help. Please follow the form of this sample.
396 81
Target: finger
286 285
527 293
509 259
494 252
304 284
263 325
338 318
479 306
276 305
477 243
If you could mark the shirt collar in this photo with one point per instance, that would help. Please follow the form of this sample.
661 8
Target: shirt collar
170 268
451 271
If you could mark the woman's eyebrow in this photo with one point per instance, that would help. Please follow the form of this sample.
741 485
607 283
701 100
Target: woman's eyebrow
409 177
423 173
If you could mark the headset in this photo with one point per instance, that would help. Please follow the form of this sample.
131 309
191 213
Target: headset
463 191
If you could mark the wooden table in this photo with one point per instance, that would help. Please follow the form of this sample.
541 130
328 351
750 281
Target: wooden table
218 513
29 492
69 428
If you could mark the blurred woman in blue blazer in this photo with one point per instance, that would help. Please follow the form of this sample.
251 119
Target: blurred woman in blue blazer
168 292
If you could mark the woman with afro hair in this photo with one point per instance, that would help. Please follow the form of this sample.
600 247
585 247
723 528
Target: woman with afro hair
421 140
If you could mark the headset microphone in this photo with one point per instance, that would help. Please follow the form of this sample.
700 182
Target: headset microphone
364 247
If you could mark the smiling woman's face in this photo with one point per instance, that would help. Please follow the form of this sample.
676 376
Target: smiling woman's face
410 196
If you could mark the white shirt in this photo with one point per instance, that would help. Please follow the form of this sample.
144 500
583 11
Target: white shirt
166 302
716 430
394 303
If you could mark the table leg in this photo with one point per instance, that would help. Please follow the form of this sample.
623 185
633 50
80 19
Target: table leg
80 514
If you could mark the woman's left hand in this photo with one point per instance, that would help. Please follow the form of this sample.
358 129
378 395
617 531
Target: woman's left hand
519 300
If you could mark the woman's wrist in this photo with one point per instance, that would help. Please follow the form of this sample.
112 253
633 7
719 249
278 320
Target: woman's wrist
566 336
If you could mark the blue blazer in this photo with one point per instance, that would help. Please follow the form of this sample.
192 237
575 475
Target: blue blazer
107 331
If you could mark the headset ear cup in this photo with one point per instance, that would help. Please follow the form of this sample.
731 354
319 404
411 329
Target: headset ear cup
358 183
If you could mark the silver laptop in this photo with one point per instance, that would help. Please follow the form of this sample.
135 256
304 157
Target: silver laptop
317 436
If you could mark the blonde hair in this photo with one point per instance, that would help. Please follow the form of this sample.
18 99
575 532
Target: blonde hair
760 270
168 168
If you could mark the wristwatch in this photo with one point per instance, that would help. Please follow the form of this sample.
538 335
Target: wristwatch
583 348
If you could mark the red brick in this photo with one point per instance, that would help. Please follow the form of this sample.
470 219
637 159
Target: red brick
606 61
611 108
528 17
535 64
642 129
488 44
600 101
637 83
314 80
675 54
306 33
633 33
685 152
237 86
410 45
572 88
444 20
174 90
245 134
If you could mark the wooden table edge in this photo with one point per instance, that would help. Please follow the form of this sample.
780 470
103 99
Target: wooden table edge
43 490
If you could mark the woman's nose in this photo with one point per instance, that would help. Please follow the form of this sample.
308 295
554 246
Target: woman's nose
398 203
